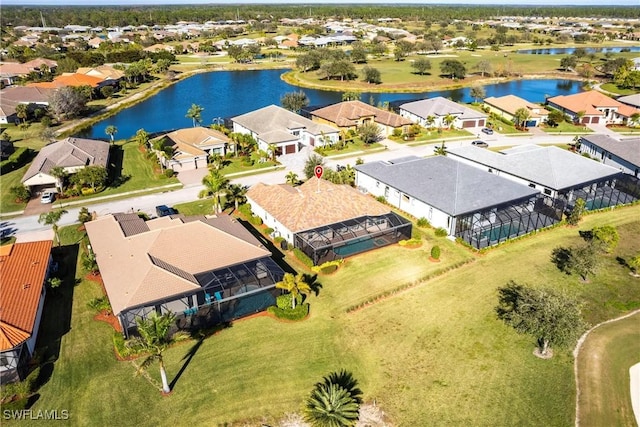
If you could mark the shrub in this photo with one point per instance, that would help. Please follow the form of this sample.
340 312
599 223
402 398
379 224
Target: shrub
169 173
16 160
327 267
423 222
278 240
435 252
255 220
300 312
441 232
267 231
20 192
87 190
284 301
245 210
303 257
410 242
100 304
397 133
381 199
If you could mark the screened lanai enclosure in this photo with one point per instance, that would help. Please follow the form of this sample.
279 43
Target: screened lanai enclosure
346 238
494 225
227 294
621 190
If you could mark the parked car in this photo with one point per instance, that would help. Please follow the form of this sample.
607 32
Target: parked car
479 143
164 210
487 131
48 197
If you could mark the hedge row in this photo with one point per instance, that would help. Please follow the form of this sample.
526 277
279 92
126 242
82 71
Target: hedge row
15 160
303 257
300 312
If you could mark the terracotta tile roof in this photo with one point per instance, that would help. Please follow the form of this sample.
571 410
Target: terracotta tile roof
346 113
585 101
304 208
70 79
162 262
23 273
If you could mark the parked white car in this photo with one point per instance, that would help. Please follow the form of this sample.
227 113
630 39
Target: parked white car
48 197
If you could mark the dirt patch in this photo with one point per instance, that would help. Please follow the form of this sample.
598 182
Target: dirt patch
109 318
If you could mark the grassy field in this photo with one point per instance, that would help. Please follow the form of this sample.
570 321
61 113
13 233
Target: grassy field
603 365
433 352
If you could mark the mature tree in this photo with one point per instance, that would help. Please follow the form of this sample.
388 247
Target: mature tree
195 113
51 218
402 49
582 260
84 215
378 49
107 92
334 402
308 61
435 44
217 161
453 68
22 112
66 103
162 150
521 116
606 237
142 137
47 134
111 130
371 75
297 286
216 185
369 132
60 174
577 212
294 101
551 317
421 65
236 194
310 164
351 95
477 91
358 53
555 117
568 62
340 68
20 193
93 176
155 338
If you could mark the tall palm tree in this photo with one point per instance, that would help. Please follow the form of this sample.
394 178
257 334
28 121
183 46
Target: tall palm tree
295 285
236 194
51 218
111 130
216 185
448 120
155 338
142 137
217 162
59 173
195 113
22 112
430 121
334 402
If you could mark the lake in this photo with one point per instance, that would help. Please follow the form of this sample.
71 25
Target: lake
225 94
570 50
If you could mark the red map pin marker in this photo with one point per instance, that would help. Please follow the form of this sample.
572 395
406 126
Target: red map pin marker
318 170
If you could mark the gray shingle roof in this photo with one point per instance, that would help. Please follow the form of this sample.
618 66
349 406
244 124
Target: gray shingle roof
551 167
446 184
627 149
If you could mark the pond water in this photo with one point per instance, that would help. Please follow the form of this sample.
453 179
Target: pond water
570 50
225 94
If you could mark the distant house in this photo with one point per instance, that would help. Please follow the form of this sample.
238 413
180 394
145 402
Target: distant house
12 71
203 269
479 207
287 131
72 154
192 147
107 73
593 107
508 105
622 154
631 100
24 268
432 113
327 221
12 96
349 115
71 80
562 176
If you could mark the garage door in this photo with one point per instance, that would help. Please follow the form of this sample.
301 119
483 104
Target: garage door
290 149
468 124
481 123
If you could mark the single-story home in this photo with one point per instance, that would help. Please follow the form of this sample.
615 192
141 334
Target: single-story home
622 154
631 100
593 107
192 147
479 207
327 221
10 97
10 71
559 174
287 131
72 80
431 113
507 106
24 268
72 154
107 73
349 115
204 269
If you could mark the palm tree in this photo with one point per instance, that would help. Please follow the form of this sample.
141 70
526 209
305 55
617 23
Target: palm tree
217 162
292 178
579 116
155 338
271 149
430 121
51 218
59 173
441 150
295 285
334 402
195 113
448 120
111 130
22 112
142 137
236 194
521 116
216 185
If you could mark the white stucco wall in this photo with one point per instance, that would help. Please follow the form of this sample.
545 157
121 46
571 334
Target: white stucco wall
609 159
279 230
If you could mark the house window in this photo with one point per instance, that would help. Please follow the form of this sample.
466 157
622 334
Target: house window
386 192
377 183
430 214
547 191
405 198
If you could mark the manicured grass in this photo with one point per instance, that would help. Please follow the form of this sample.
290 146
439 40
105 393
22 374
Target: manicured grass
566 128
434 135
603 372
625 130
612 87
350 147
237 166
11 179
433 352
197 207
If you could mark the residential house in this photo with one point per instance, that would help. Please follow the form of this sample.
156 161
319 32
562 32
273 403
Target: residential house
203 269
479 207
274 126
593 107
507 107
24 268
192 147
631 100
326 221
434 113
34 97
561 176
72 154
107 73
349 115
622 154
72 80
10 72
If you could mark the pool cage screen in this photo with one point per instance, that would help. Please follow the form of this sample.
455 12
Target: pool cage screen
499 223
621 190
354 236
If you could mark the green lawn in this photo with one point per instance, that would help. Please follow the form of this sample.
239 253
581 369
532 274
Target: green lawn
432 352
237 165
566 128
430 136
353 146
11 179
612 87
